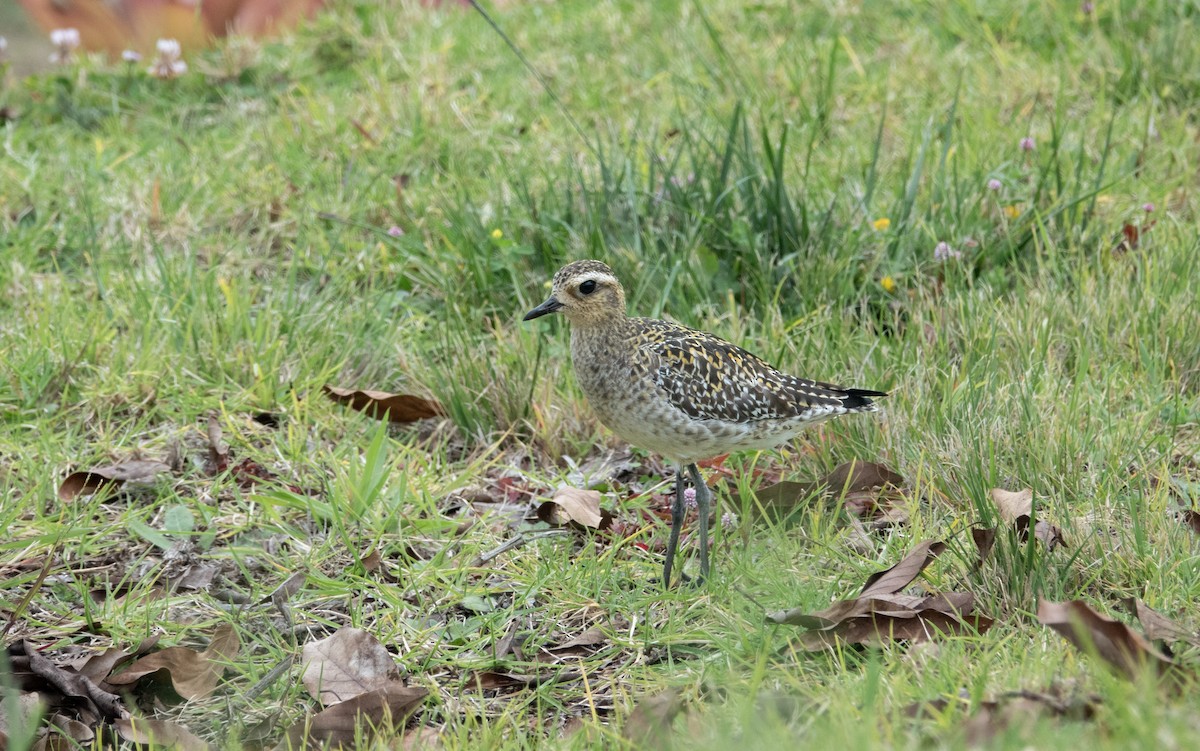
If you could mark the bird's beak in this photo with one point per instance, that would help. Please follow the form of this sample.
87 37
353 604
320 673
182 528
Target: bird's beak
552 304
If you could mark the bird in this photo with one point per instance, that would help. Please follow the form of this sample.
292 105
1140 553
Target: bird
681 393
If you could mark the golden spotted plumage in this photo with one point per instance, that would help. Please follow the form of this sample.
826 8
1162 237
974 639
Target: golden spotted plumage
679 392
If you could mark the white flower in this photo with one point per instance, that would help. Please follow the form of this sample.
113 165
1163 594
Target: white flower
65 42
3 46
169 62
131 56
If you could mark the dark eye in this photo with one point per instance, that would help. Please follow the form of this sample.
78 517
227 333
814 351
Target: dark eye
587 287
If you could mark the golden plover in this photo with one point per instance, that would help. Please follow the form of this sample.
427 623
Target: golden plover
678 392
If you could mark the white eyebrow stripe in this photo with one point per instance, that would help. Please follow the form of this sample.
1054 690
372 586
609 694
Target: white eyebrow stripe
599 278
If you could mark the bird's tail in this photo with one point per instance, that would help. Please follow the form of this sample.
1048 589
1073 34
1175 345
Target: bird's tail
859 400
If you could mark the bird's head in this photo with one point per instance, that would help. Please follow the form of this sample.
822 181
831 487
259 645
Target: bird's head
586 292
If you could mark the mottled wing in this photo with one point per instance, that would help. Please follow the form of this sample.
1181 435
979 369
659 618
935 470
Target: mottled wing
709 378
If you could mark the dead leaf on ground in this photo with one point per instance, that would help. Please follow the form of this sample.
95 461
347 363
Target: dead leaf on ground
98 666
348 663
574 505
381 404
491 680
985 539
1191 518
901 575
218 450
159 733
649 724
880 614
88 481
33 671
870 490
1016 509
1119 646
1009 710
1157 626
591 638
346 723
194 675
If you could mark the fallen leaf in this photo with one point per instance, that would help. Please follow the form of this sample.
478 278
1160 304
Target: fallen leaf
381 404
1017 510
590 638
218 452
1192 519
346 664
923 626
901 575
491 680
1157 626
867 489
37 673
193 674
1119 646
87 482
985 539
159 733
98 666
574 505
346 723
649 724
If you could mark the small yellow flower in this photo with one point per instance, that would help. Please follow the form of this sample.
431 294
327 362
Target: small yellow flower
1012 212
881 223
888 284
497 234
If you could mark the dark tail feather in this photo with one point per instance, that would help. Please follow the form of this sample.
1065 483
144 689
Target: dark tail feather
858 399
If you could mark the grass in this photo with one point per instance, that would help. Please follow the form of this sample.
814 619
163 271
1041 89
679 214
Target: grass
219 245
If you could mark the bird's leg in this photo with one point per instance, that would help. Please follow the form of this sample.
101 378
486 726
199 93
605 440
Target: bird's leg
676 525
704 505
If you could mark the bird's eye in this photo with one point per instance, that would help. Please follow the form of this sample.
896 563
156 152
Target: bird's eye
587 287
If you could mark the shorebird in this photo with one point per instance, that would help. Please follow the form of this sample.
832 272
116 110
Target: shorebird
680 393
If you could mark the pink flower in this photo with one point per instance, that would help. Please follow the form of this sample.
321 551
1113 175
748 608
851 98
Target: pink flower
1148 207
994 184
65 42
1027 143
689 497
395 231
943 252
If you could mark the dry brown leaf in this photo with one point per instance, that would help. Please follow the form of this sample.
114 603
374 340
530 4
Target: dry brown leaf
86 482
159 733
381 404
1016 509
491 680
868 488
985 539
1119 646
1192 519
193 674
36 672
1159 627
97 667
344 723
880 629
346 664
590 638
901 575
649 724
574 505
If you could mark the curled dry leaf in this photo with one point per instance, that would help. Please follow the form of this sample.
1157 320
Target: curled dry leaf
1159 627
869 490
901 575
649 724
87 482
1017 509
35 672
574 505
985 539
346 664
1119 646
194 675
1191 518
346 723
381 404
879 614
159 734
